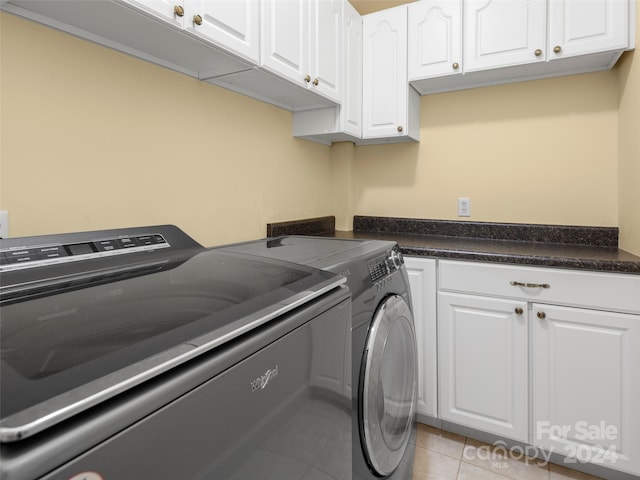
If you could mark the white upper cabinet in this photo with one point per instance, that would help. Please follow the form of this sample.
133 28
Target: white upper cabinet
384 72
149 29
325 47
302 41
388 108
171 11
284 52
233 24
502 33
507 41
341 123
435 30
578 27
284 38
351 111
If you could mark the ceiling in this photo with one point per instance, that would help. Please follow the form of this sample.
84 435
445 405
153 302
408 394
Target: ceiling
369 6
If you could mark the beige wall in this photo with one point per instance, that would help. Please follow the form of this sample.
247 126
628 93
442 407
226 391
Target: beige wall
629 145
534 152
94 139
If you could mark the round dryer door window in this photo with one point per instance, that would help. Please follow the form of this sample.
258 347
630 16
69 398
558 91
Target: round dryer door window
388 386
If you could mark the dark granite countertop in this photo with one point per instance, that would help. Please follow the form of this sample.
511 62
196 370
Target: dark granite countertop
603 259
585 248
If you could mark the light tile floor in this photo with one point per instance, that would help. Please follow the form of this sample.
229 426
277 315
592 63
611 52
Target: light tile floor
442 455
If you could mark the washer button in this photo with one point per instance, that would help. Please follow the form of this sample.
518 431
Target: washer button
146 240
22 256
159 238
127 242
107 245
55 251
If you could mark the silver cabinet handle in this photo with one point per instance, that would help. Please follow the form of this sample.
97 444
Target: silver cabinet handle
529 285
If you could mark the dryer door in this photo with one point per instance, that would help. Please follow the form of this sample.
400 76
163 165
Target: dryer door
388 386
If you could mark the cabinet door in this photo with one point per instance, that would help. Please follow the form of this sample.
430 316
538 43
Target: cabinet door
435 38
168 10
578 27
283 39
325 47
586 366
385 85
500 33
422 281
483 364
232 24
351 102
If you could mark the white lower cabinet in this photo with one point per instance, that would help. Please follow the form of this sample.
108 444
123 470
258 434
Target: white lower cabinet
586 385
422 281
549 357
483 363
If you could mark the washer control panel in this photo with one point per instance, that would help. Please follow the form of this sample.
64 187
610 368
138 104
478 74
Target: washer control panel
19 257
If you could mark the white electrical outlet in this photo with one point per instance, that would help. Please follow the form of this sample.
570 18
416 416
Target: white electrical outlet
4 223
464 207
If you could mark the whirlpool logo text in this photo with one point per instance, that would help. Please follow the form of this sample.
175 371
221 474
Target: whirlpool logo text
262 381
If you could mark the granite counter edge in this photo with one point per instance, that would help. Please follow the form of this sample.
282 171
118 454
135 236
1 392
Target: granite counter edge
597 265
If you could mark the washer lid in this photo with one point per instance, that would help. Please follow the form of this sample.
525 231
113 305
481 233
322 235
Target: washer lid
319 252
72 341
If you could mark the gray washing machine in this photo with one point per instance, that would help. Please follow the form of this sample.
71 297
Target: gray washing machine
384 359
138 354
